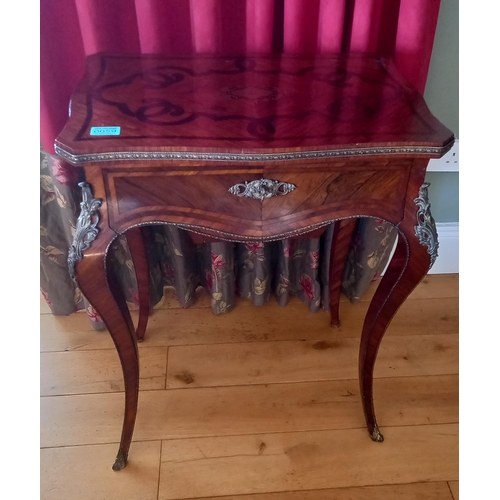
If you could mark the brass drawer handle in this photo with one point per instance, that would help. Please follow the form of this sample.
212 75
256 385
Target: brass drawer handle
263 188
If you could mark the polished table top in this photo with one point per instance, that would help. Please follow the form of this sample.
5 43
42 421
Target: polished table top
266 105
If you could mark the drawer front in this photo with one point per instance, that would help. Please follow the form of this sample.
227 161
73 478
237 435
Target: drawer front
195 198
201 199
350 191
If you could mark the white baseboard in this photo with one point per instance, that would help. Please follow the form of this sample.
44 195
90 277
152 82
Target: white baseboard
447 261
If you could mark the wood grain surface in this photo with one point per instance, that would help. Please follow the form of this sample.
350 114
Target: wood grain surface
305 460
317 455
274 103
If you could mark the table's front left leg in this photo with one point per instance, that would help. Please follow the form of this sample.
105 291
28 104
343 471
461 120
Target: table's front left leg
97 281
415 253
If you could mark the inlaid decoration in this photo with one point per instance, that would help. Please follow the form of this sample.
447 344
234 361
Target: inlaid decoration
277 107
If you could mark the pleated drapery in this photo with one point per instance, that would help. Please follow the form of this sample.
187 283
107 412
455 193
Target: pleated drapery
72 29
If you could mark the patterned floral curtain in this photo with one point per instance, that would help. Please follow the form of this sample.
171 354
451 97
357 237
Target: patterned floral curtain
255 271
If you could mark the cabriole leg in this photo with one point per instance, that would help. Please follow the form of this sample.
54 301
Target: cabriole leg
415 252
105 295
87 263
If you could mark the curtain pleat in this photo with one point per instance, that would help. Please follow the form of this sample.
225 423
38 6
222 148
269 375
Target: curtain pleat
366 25
218 26
331 26
259 26
301 26
164 27
205 24
62 63
389 14
233 26
415 36
109 26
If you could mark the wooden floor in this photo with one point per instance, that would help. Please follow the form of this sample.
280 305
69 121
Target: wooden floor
258 404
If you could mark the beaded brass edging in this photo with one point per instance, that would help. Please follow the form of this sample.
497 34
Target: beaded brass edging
303 155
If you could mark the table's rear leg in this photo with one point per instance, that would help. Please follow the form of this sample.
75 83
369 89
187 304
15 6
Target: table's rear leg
415 252
137 247
342 234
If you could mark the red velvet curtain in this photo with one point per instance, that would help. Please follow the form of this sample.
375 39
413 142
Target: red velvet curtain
72 29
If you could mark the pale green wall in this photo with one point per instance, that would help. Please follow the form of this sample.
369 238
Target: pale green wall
441 95
443 195
441 90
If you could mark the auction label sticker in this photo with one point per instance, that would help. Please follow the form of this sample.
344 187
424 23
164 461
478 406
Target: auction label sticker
105 130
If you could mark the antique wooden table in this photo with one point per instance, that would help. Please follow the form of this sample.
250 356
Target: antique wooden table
248 148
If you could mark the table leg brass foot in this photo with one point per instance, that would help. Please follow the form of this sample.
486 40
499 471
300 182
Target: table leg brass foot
376 435
121 461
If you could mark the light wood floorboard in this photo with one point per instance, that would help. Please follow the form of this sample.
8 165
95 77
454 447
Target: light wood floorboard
258 404
299 361
87 372
84 472
306 460
167 414
250 324
454 489
411 491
